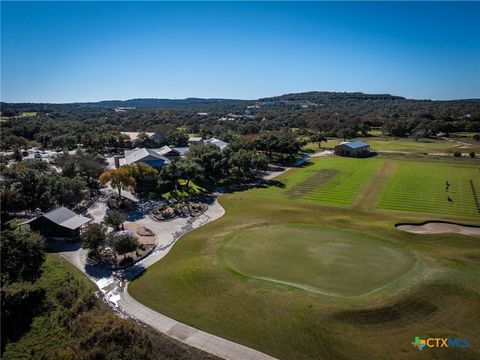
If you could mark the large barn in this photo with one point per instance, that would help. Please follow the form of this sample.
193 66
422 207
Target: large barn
61 223
353 149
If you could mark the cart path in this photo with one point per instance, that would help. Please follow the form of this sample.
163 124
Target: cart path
114 284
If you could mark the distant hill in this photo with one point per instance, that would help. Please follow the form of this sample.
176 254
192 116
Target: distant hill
329 101
156 103
324 96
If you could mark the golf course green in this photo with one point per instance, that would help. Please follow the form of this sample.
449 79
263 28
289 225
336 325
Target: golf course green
326 261
311 266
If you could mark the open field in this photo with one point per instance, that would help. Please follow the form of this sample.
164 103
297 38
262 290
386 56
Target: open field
331 181
321 260
220 277
422 187
29 113
409 145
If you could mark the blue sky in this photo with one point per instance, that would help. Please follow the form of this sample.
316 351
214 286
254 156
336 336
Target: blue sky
87 51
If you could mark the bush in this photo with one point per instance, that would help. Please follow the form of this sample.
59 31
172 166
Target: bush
20 304
124 244
457 154
115 219
472 154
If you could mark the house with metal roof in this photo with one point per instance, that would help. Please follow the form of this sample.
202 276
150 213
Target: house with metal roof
353 149
151 157
217 142
61 223
195 140
169 153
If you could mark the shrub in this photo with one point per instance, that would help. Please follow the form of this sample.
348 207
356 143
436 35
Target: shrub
124 244
472 154
457 154
115 219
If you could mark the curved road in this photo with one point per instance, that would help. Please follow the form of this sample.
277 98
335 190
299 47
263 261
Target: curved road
113 285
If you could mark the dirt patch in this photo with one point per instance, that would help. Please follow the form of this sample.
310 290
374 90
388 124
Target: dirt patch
439 228
317 179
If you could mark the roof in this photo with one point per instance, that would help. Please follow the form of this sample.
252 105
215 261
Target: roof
165 150
217 142
134 135
135 155
195 138
63 217
354 144
181 150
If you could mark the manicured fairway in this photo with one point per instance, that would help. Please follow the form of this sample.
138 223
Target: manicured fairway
421 187
409 145
332 180
317 259
299 280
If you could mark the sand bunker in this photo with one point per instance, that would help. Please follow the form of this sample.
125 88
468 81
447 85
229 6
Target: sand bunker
440 228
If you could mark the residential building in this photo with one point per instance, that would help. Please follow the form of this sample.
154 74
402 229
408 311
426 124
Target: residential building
195 140
157 137
151 157
217 142
61 223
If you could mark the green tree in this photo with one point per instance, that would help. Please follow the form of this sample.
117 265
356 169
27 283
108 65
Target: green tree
211 160
17 155
68 192
22 255
93 238
90 168
145 176
120 178
318 138
188 170
114 219
177 138
144 141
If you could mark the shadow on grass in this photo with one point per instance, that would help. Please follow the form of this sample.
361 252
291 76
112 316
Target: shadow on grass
261 184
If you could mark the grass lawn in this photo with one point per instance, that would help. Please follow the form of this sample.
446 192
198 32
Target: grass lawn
322 260
260 274
333 180
409 145
422 187
194 189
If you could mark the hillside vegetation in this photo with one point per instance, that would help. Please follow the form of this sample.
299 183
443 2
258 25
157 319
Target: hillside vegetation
59 317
